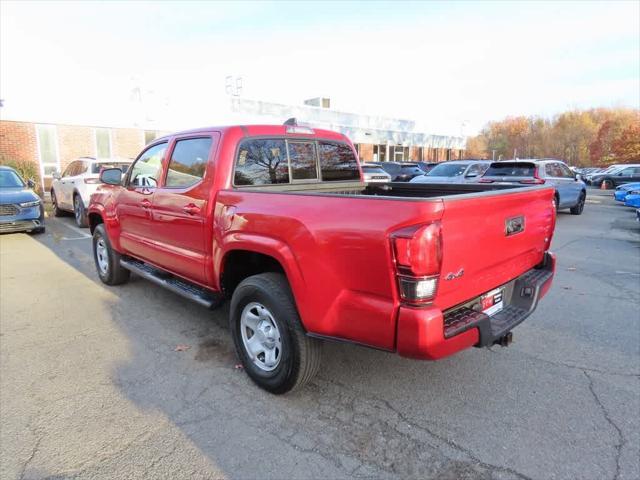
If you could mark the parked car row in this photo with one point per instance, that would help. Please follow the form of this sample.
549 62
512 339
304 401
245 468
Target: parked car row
613 176
570 190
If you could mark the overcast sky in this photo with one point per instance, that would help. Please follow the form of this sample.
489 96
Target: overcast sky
440 64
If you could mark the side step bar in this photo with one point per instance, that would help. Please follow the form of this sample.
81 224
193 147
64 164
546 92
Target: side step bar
177 285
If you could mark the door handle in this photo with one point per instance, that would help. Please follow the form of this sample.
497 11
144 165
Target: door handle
191 209
145 204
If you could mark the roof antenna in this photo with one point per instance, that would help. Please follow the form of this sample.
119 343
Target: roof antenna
292 122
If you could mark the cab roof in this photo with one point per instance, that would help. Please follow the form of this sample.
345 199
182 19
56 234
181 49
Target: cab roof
263 130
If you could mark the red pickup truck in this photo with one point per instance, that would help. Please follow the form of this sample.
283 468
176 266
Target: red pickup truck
278 220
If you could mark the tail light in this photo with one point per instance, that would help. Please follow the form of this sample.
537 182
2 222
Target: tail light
536 180
92 180
418 256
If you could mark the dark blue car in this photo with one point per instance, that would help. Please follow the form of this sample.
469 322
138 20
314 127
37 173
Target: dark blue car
21 209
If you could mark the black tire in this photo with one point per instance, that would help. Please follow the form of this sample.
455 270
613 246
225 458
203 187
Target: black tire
38 230
113 273
579 207
607 184
54 201
79 212
300 355
556 202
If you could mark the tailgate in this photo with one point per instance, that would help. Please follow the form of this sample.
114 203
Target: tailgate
478 252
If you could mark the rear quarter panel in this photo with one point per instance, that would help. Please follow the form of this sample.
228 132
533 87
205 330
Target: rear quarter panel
335 251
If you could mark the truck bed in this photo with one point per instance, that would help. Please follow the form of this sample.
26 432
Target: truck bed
342 248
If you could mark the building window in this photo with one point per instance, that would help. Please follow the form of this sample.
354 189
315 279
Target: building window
103 143
420 153
398 154
150 136
48 149
379 153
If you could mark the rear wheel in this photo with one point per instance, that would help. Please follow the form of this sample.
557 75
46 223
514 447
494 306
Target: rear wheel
79 212
270 342
107 259
54 201
579 207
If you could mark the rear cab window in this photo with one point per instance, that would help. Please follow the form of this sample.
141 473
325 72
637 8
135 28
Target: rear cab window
282 161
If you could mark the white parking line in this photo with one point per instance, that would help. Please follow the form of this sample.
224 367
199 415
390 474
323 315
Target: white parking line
592 201
75 229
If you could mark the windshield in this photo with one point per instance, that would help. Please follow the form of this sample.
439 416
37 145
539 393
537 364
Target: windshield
448 170
96 168
511 169
10 179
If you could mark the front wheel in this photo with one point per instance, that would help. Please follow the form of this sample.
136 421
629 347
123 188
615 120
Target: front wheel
270 342
107 259
579 207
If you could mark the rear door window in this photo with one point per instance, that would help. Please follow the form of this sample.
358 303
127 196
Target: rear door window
188 162
553 170
337 162
262 162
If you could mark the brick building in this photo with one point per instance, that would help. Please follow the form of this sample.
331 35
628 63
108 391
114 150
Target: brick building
54 146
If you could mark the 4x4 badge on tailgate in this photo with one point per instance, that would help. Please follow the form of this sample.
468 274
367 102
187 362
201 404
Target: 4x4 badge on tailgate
454 275
513 225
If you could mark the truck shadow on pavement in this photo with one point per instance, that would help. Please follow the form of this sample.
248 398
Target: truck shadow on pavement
182 376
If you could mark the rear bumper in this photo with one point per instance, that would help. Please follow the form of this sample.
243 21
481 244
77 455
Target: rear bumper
430 334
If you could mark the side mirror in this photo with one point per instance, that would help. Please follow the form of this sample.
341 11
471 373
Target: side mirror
111 176
31 183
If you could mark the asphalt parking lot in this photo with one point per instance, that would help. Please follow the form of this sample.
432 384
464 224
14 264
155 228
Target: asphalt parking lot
135 382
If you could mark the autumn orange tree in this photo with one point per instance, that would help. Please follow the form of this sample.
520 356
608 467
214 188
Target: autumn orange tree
580 137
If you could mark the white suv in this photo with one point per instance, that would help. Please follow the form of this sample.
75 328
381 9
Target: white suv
71 191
